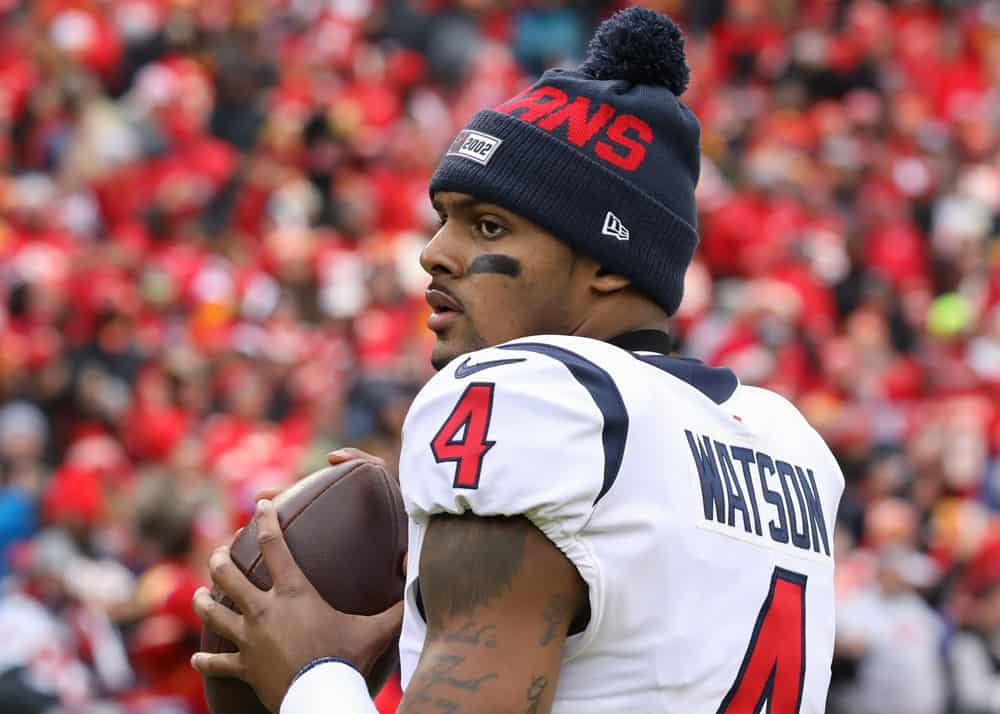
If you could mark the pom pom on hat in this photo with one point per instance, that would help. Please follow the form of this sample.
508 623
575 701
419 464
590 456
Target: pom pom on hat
640 46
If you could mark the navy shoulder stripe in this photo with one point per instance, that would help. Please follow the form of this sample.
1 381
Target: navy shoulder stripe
604 392
716 383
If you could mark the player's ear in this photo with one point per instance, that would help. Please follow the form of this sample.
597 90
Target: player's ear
606 282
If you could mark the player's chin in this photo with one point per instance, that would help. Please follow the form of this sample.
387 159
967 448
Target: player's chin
450 344
443 352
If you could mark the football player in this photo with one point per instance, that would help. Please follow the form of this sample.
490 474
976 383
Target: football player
595 526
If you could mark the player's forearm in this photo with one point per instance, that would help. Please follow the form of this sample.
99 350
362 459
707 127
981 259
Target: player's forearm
449 700
499 598
445 682
327 684
462 672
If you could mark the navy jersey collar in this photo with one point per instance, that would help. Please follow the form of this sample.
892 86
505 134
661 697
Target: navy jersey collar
644 341
716 383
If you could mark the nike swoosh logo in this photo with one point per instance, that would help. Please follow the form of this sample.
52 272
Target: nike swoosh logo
465 369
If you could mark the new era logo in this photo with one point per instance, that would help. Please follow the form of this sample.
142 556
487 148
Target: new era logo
614 227
474 145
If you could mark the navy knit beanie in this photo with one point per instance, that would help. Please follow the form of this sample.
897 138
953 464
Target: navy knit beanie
605 157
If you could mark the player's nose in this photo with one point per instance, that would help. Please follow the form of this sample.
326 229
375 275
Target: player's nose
439 256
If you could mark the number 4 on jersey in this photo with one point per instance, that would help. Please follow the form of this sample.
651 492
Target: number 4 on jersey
775 662
462 438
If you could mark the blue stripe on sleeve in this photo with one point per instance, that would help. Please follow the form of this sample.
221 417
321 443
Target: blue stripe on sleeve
604 392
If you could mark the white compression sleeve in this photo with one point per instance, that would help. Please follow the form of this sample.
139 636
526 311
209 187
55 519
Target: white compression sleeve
326 686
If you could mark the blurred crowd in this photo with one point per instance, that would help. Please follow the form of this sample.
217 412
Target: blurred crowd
210 215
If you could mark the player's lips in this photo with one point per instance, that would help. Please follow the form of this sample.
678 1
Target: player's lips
446 309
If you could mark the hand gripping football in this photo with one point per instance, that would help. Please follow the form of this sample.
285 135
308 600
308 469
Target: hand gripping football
346 528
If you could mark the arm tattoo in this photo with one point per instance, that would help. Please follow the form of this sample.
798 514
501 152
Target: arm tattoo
469 564
426 688
535 691
471 633
445 664
465 564
438 680
557 616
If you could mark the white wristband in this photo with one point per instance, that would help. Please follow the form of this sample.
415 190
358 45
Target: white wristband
326 683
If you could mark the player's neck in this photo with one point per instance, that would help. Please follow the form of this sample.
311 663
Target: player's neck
605 324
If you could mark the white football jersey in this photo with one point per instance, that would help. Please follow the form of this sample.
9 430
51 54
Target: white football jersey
698 511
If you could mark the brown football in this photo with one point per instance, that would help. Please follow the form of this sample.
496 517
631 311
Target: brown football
346 527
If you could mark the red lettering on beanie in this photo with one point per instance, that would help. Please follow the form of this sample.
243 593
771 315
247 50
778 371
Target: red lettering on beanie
542 101
582 127
622 142
616 133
